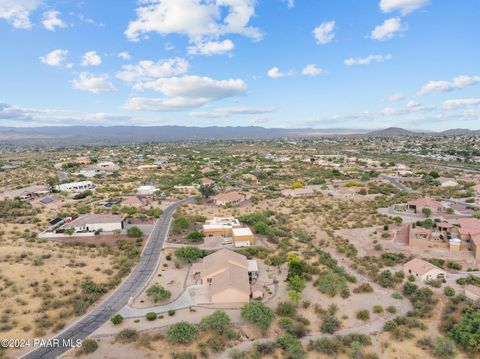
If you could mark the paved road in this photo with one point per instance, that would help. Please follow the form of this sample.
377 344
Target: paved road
131 287
395 181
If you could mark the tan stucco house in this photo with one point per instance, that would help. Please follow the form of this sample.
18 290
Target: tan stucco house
423 271
227 274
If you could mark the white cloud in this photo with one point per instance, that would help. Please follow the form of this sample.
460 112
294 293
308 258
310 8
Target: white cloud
186 92
194 18
404 6
91 58
324 33
55 58
275 73
311 70
17 12
234 110
398 96
196 87
51 20
367 60
211 48
11 112
163 104
290 3
96 84
124 55
388 29
149 70
457 83
460 103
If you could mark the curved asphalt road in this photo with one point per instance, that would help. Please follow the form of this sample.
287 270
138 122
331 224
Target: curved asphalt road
132 286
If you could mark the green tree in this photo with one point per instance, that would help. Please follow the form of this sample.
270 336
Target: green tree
261 227
182 332
117 319
296 283
158 293
189 254
466 332
134 232
427 211
258 314
195 236
218 321
207 190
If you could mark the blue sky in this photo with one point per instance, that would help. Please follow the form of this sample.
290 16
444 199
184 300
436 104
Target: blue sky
273 63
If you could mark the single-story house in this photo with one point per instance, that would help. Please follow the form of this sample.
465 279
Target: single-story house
146 190
75 187
133 201
297 192
95 222
220 226
243 237
108 166
92 171
423 270
230 198
417 205
227 276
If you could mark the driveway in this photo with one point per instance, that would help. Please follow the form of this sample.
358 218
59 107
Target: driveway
133 285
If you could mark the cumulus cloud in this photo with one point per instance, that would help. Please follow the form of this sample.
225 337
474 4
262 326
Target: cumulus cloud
457 83
185 92
91 58
51 20
194 18
404 6
17 12
275 73
96 84
324 33
311 70
234 110
367 60
460 103
55 58
124 55
388 29
147 70
211 48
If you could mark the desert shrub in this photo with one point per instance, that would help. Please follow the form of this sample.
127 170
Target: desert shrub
258 314
449 291
363 315
218 321
195 236
444 348
89 346
127 336
151 316
134 232
158 293
117 319
292 347
330 325
286 309
363 288
182 332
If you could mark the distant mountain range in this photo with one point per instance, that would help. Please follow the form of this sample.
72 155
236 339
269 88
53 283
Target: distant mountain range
98 135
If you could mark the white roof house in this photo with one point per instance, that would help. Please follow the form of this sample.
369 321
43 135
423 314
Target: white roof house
95 222
75 187
146 190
